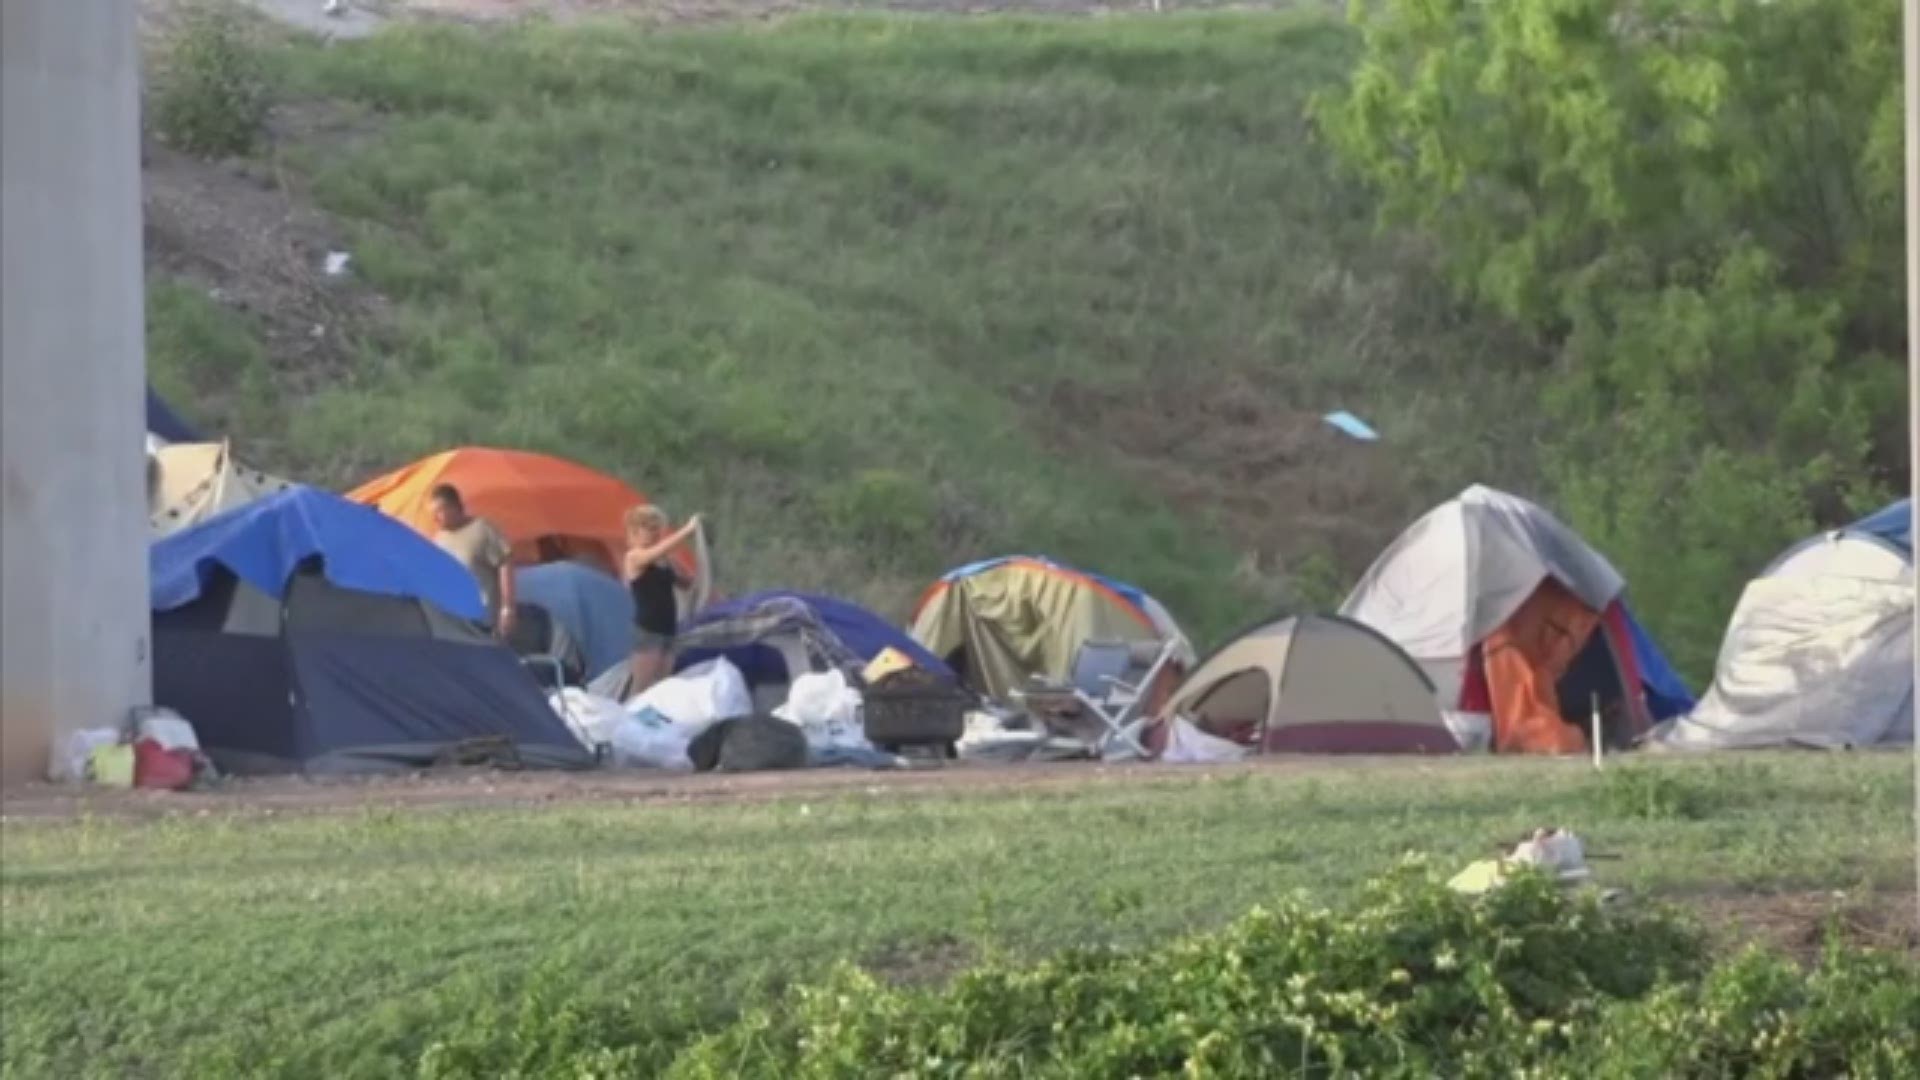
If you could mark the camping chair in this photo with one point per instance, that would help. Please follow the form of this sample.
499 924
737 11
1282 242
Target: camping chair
1111 681
545 648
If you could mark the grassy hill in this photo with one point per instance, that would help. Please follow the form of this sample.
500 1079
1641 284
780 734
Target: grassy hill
879 295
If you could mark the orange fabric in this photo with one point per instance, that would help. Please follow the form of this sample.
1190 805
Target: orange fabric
1525 659
527 497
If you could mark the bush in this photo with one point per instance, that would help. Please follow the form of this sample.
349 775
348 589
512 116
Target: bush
1417 981
212 94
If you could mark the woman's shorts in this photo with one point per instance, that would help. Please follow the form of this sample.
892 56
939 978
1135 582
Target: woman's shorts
648 641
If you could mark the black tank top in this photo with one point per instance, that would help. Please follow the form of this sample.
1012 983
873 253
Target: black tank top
654 608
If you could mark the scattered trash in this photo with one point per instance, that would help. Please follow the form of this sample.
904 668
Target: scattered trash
1351 425
337 260
111 766
1188 745
318 332
1558 852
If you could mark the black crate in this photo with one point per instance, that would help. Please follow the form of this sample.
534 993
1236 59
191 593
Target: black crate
914 715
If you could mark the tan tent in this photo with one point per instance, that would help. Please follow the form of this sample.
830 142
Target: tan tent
1315 684
187 483
1002 622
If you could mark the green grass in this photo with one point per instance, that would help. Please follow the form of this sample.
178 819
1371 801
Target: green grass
345 945
841 283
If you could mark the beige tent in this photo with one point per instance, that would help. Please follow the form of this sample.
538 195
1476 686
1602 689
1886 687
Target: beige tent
187 483
1314 684
1002 622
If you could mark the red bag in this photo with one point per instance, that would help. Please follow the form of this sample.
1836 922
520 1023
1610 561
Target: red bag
155 766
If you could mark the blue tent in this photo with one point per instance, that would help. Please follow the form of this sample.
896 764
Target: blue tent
306 633
595 608
263 542
164 422
1892 523
1666 692
774 636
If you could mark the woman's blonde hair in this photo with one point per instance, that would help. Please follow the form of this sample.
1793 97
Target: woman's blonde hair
646 517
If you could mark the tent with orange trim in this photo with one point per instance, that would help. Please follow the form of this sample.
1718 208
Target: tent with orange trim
549 508
1520 625
1001 622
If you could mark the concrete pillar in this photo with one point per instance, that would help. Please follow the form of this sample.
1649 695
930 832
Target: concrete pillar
73 593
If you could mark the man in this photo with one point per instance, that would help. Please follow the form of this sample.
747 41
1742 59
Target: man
481 549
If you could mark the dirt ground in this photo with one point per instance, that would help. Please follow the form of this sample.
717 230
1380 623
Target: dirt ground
470 788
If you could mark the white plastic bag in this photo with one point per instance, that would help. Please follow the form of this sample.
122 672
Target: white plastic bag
648 739
827 708
1188 745
701 695
1472 730
592 719
168 728
76 757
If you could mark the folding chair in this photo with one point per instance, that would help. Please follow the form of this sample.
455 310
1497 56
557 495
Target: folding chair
1111 681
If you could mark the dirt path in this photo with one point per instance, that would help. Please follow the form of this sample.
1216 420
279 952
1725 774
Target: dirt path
463 789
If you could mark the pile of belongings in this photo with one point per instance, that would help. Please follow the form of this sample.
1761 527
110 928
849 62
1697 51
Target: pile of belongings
1556 852
703 719
160 753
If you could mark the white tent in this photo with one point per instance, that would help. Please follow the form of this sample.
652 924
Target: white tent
1818 653
187 483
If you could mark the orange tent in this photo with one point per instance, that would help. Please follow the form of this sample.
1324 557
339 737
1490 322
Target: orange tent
534 499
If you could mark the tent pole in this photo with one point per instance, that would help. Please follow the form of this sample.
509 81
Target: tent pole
1912 69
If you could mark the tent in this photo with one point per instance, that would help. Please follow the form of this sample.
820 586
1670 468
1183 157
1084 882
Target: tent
772 637
304 633
593 606
1514 618
191 482
1002 622
165 424
548 507
1819 649
1314 684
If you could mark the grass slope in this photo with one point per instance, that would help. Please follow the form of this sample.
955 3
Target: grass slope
883 295
348 945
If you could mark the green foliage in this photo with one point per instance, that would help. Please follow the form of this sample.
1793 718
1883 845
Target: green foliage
212 96
590 930
845 285
1692 203
1856 1014
1414 981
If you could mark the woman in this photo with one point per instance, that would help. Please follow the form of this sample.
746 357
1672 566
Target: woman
651 579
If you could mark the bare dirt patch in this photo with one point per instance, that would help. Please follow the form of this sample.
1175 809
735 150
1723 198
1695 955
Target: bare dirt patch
1803 923
476 788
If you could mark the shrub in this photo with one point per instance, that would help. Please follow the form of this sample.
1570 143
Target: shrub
212 94
1416 981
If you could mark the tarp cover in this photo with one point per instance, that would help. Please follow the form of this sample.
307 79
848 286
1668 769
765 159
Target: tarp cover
262 544
1023 616
762 615
1892 523
593 606
1812 661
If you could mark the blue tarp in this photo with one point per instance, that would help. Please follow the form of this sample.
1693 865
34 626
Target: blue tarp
865 634
164 422
1892 523
1667 693
263 542
1131 594
594 607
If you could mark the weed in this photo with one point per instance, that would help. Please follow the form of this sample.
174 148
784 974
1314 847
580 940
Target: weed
213 93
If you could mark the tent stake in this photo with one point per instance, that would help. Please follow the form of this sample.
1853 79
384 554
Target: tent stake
1598 750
